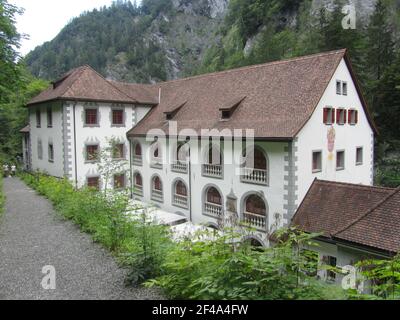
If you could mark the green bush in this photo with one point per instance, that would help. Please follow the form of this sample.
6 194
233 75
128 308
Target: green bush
221 270
138 243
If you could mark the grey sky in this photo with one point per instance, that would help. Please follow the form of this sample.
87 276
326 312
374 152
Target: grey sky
43 19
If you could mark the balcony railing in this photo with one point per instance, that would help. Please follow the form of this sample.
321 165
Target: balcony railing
157 195
256 176
180 200
255 220
212 170
137 160
212 209
138 190
179 166
156 163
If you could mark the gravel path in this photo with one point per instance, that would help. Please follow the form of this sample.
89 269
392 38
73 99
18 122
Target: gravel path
32 236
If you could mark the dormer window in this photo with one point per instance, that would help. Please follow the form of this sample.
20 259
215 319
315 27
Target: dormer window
341 116
169 114
329 115
229 108
226 114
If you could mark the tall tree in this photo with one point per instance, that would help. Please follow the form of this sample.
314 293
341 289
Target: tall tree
9 43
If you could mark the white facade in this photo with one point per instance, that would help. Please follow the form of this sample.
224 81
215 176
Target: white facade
70 136
289 165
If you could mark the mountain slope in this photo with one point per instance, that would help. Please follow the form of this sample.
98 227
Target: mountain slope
162 39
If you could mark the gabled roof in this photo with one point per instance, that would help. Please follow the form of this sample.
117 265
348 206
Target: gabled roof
280 97
82 84
362 215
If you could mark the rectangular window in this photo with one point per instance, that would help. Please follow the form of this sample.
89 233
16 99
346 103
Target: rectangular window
92 153
340 160
119 181
359 156
49 118
317 161
338 87
38 119
118 152
353 117
93 182
332 262
117 117
329 115
51 152
40 150
341 116
91 116
344 88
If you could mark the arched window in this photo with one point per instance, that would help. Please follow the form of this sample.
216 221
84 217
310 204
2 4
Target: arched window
213 196
138 184
156 189
182 152
180 189
255 169
157 185
180 196
138 180
138 150
156 155
213 203
255 211
255 205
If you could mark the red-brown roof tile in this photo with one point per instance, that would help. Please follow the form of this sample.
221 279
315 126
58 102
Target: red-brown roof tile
280 97
364 215
82 84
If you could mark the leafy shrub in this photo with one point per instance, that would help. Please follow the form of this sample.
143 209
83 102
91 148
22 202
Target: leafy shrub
222 270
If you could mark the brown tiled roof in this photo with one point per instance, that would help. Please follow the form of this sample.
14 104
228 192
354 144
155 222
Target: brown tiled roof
26 129
280 97
363 215
82 84
143 93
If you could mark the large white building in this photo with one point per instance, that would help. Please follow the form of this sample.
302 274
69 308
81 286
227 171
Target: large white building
249 141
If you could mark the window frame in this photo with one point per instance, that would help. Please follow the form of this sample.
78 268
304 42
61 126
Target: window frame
341 116
339 87
114 124
345 88
122 151
320 161
330 115
38 118
98 182
352 115
94 160
85 117
359 163
50 152
341 168
49 117
120 175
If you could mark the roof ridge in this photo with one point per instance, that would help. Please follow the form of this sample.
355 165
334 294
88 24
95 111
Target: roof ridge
256 66
369 211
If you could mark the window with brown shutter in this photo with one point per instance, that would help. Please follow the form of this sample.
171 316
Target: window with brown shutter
213 196
117 117
93 182
353 117
255 205
138 180
157 184
138 150
92 153
91 116
341 116
329 115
